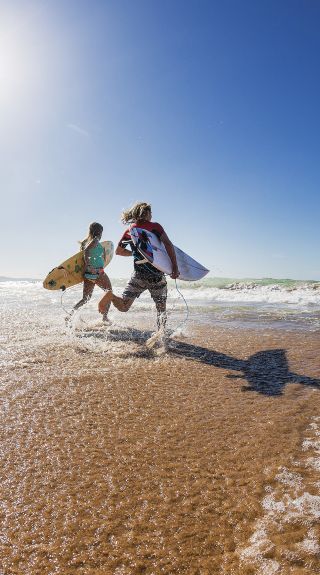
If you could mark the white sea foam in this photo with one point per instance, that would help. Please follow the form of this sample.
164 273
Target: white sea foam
310 544
288 503
263 294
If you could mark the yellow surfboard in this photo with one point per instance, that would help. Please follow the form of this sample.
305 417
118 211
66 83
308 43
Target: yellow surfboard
70 272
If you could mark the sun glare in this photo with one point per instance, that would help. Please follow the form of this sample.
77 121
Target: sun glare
12 64
18 58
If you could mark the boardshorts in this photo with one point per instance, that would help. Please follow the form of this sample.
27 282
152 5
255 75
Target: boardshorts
157 286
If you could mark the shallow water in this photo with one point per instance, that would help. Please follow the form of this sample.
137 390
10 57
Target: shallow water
199 455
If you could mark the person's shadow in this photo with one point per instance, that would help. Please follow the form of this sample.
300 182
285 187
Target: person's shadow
267 372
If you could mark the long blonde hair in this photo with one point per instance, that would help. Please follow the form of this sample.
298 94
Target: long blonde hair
95 231
136 212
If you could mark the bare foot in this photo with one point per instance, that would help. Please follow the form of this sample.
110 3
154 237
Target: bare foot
157 338
104 301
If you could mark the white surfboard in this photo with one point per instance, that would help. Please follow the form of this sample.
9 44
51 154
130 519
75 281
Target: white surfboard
155 253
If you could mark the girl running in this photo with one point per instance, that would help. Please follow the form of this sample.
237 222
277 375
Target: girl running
94 258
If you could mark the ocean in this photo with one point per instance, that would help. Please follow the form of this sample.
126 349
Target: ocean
196 454
282 304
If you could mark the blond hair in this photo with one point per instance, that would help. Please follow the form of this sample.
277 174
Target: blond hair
95 231
137 212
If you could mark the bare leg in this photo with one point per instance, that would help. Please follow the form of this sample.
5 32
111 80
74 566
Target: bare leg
122 304
104 283
88 287
158 337
159 293
161 306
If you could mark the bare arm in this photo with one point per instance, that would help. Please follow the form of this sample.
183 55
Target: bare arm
172 255
120 251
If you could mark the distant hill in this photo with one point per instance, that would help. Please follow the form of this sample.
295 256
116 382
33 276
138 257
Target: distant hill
6 279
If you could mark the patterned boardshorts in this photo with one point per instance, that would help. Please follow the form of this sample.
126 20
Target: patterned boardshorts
138 284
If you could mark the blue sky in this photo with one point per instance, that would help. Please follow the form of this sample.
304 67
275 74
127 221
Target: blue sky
207 109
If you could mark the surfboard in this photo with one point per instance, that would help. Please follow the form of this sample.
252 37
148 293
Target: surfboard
70 272
155 253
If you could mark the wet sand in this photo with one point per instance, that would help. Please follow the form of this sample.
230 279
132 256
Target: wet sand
201 459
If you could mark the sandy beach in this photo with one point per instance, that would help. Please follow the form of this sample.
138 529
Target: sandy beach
198 458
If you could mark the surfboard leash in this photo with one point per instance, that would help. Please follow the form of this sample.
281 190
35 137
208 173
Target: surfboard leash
61 302
186 304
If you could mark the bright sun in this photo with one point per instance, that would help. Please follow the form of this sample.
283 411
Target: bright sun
15 67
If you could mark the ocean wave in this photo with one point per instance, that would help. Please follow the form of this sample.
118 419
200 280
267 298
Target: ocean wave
210 290
259 294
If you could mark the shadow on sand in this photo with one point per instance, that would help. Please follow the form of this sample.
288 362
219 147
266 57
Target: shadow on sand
266 372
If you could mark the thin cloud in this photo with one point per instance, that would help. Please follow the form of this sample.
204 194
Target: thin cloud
78 129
